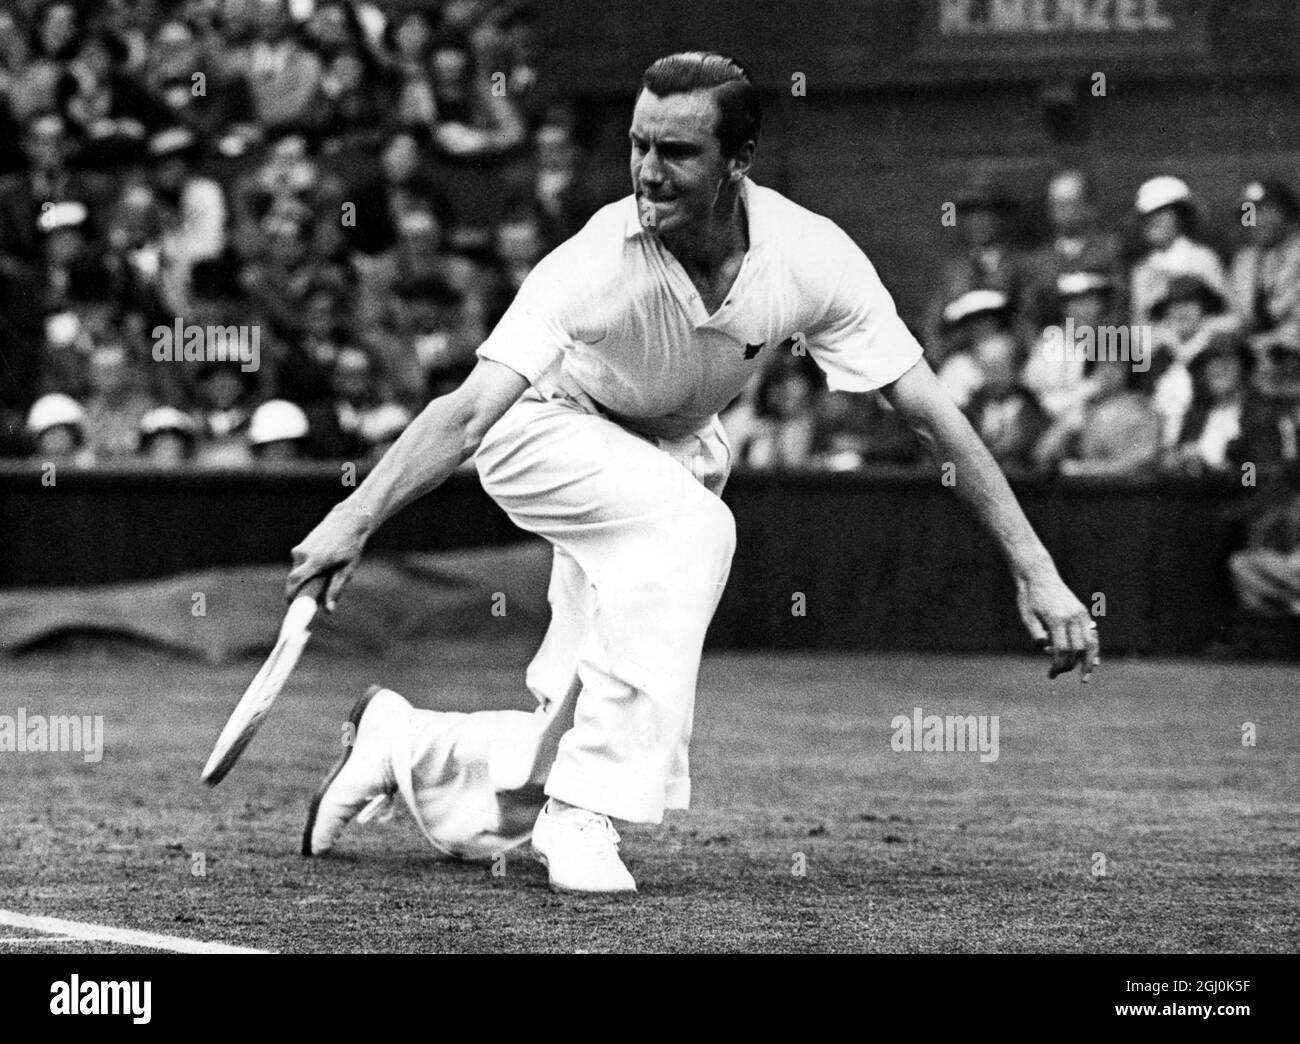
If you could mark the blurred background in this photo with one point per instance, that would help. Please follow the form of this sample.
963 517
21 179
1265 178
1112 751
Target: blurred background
364 185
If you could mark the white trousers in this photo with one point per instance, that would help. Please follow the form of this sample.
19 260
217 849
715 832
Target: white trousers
642 550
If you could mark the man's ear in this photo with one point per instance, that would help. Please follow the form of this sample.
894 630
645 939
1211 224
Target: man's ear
739 165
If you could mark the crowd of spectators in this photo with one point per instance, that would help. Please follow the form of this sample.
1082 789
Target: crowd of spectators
1086 355
363 185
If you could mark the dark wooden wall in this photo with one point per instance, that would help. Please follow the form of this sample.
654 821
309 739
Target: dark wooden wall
883 561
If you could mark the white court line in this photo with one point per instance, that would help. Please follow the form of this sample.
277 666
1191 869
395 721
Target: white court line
79 931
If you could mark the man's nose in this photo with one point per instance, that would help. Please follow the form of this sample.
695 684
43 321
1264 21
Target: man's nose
651 172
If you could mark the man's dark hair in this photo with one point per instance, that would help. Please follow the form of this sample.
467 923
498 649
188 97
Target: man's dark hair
739 116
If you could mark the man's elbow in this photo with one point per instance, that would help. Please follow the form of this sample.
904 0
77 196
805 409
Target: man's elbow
470 419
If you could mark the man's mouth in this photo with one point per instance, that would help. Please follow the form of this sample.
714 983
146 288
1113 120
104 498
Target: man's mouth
649 208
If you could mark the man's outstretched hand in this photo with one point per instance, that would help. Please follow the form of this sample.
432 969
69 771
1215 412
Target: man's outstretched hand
333 547
1059 622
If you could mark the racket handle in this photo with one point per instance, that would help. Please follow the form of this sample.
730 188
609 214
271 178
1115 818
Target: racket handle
314 588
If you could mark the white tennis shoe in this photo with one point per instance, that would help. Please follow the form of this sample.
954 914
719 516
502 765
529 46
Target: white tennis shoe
580 850
361 784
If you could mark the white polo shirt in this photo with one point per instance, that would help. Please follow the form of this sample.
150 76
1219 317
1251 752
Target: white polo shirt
612 315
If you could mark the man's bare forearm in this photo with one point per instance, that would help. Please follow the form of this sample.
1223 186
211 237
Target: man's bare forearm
433 446
980 483
949 438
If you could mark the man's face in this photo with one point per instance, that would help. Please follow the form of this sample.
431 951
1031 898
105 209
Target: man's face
998 359
1185 318
1222 375
1068 207
450 70
168 447
982 225
1160 228
1270 223
58 27
108 371
45 146
58 441
401 158
1085 309
677 163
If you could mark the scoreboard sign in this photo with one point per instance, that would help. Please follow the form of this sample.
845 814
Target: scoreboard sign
1011 30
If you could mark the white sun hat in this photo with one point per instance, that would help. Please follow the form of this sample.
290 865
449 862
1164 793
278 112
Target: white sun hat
1161 192
277 420
49 411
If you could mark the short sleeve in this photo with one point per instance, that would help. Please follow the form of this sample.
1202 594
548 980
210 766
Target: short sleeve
530 337
859 342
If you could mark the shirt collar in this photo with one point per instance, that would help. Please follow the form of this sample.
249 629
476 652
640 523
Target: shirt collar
755 214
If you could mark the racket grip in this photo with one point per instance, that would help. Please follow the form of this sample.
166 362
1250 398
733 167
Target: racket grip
314 588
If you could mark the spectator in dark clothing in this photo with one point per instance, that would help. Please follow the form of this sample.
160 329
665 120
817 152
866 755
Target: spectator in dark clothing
400 187
1270 418
857 429
1265 274
47 178
1006 414
359 418
988 261
56 34
1266 574
1076 244
224 394
475 132
778 431
1220 375
108 112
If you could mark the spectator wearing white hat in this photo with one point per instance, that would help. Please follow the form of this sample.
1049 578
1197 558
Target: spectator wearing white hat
167 436
1265 278
278 431
1166 214
968 320
56 429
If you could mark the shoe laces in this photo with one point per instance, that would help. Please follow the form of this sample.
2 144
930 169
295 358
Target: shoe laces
596 830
